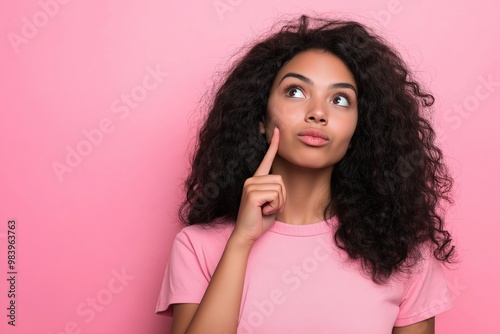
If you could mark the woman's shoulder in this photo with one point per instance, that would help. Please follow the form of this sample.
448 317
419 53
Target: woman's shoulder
219 229
202 243
421 266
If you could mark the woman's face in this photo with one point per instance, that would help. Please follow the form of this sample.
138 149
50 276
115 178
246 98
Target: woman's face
313 102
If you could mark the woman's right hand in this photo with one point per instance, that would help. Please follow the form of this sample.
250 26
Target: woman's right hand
263 196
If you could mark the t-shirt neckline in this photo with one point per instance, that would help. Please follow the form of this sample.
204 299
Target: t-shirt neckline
322 227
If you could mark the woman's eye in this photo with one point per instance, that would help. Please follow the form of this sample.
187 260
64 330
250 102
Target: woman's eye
341 101
294 92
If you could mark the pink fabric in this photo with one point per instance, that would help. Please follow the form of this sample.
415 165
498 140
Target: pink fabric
298 281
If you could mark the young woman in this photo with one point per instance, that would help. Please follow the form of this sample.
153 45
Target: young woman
313 203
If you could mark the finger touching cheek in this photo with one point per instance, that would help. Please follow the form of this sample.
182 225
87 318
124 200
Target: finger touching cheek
270 131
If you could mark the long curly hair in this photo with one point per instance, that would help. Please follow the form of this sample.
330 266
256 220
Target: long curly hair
388 189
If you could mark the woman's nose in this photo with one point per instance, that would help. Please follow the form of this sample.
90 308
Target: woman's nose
317 113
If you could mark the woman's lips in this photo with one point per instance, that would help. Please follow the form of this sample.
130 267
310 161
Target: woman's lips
313 137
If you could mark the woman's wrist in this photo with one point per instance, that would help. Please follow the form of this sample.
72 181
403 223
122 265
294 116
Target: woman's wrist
237 243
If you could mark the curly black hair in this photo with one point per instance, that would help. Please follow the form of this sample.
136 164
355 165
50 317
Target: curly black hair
388 189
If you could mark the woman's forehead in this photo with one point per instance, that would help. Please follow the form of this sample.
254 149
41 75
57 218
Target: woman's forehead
317 67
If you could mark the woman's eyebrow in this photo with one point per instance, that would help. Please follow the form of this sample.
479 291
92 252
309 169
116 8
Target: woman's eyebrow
310 82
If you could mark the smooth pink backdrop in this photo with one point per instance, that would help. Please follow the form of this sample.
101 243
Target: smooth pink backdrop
93 237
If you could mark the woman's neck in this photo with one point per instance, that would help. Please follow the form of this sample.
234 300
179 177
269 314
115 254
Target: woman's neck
307 192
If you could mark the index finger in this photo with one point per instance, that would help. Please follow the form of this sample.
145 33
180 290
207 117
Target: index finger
266 163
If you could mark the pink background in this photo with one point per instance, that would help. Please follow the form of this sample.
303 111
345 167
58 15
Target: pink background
93 239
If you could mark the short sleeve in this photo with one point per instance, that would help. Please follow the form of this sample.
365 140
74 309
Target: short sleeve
185 279
426 293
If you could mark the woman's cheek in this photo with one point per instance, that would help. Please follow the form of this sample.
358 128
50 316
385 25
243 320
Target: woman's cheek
269 128
279 121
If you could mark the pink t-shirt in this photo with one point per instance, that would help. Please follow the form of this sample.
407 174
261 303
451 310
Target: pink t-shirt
298 281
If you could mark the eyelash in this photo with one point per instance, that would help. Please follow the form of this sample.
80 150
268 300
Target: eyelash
294 86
